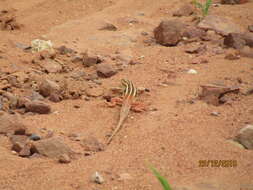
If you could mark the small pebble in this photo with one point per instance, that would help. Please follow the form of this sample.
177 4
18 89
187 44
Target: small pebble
215 113
34 137
97 178
64 159
192 71
144 33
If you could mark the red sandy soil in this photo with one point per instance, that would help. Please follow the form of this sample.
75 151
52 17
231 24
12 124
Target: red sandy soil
174 138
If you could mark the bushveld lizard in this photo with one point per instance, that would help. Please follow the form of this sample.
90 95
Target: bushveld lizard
129 93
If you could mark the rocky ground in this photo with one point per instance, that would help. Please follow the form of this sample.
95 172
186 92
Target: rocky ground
194 77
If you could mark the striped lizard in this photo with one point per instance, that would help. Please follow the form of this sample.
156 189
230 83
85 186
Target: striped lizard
129 93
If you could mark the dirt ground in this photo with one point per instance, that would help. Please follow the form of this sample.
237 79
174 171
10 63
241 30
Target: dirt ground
173 138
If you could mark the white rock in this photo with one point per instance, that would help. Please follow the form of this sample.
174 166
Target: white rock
192 71
97 178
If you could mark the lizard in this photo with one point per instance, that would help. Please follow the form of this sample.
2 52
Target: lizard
129 93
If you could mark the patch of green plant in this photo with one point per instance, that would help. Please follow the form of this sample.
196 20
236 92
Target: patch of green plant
203 7
161 179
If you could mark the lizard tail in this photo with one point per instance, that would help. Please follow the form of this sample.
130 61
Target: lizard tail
123 115
115 131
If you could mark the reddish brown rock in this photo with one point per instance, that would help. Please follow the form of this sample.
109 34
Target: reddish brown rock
194 32
38 107
212 94
64 50
22 101
105 70
55 97
51 66
89 59
64 159
46 54
18 142
234 40
48 87
169 32
52 147
26 150
220 25
11 124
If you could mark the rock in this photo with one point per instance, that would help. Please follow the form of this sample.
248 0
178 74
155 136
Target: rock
232 2
51 67
246 52
77 59
250 28
48 87
245 137
38 107
196 49
97 178
239 40
26 151
234 40
212 93
94 92
89 59
193 32
215 113
185 10
18 142
77 74
235 143
35 96
46 54
169 32
22 101
64 159
192 71
144 33
105 70
11 124
92 144
220 25
108 26
55 97
13 80
212 36
52 148
34 137
199 60
63 50
13 100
